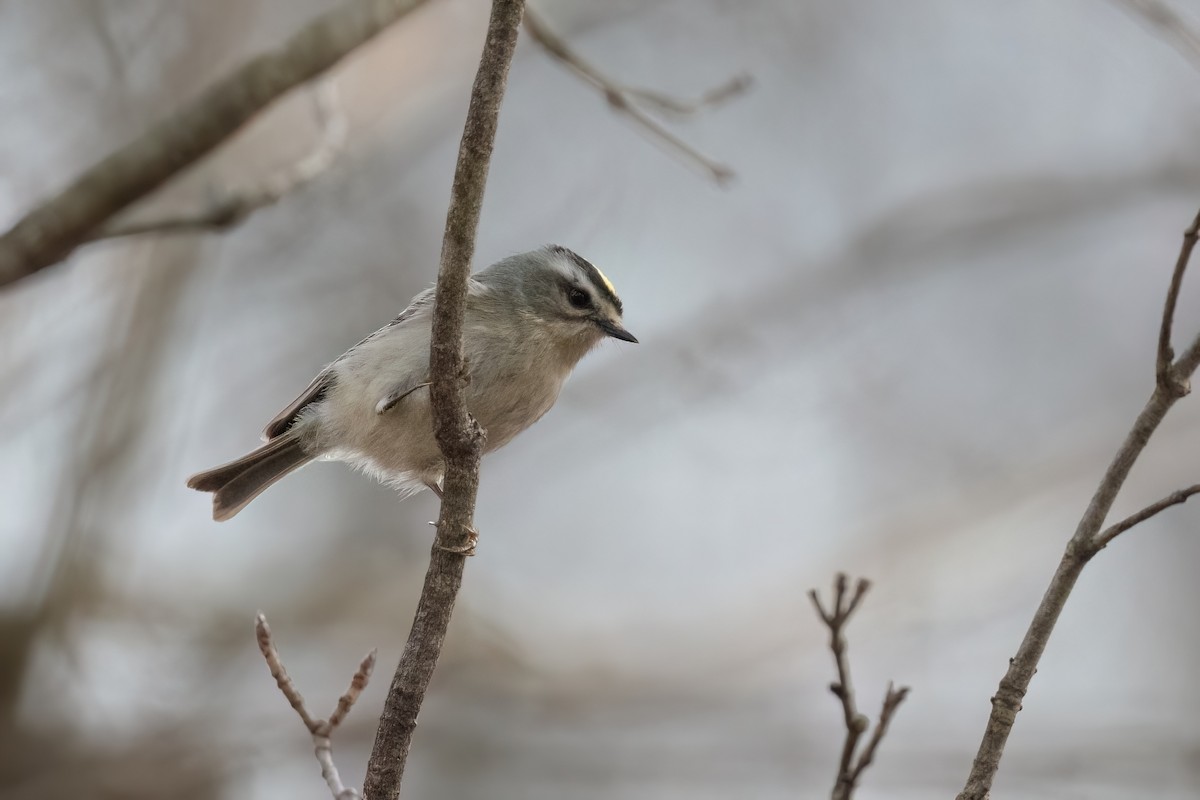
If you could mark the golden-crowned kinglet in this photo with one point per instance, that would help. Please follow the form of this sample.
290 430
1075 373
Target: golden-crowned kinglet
529 320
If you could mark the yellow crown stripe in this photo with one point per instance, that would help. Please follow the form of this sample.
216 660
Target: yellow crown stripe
607 283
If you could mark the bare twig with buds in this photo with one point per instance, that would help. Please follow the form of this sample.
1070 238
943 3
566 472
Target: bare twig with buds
232 209
321 729
850 767
1172 378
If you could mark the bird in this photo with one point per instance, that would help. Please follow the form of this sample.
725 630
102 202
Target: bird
529 319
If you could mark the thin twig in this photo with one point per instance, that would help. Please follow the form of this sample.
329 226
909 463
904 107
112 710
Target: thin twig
1082 547
850 770
1166 355
321 730
625 99
1185 367
1173 499
233 209
891 702
716 96
458 435
53 230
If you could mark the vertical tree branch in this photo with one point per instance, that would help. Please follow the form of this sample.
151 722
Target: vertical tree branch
458 435
1171 384
53 230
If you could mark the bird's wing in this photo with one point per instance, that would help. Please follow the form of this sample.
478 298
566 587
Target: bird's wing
321 384
284 419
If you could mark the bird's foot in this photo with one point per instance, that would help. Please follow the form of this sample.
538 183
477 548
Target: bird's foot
467 549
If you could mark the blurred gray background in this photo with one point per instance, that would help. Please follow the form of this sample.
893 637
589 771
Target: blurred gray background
903 343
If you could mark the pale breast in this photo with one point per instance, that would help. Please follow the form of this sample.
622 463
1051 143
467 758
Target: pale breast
514 382
514 405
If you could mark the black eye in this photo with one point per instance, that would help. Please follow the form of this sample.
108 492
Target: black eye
578 298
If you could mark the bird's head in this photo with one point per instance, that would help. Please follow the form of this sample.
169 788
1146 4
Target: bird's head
564 295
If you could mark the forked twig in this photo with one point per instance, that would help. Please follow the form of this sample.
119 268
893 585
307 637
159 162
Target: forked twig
1171 384
850 769
320 729
626 99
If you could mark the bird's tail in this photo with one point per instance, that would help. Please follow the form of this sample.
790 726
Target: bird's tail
237 483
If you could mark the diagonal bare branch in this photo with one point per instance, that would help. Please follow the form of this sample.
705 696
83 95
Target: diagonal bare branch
1085 542
628 99
1169 25
53 230
233 209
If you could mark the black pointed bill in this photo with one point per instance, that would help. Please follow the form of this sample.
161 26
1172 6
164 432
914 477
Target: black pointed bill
616 331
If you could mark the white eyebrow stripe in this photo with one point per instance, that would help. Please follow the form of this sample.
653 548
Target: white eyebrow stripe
565 269
574 265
